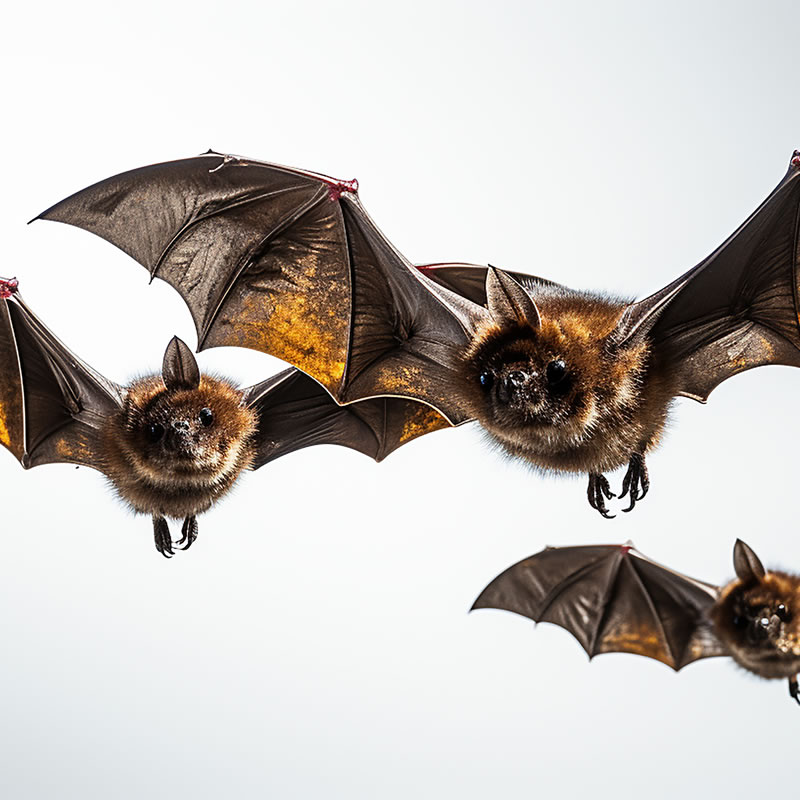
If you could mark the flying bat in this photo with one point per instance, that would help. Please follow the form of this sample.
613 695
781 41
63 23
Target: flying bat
613 599
172 444
288 262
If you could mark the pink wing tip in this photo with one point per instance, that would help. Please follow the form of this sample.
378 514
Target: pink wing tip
8 287
338 188
625 548
795 162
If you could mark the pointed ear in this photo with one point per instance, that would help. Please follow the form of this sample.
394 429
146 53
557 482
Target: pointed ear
508 301
746 563
180 370
638 318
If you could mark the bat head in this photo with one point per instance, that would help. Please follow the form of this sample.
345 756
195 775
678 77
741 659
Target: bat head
530 372
758 617
181 429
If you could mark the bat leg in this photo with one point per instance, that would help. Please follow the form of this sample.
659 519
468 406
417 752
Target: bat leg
793 690
189 533
636 480
163 537
598 492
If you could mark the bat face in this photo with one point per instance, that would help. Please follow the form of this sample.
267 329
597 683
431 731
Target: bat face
175 451
195 432
555 392
760 624
532 378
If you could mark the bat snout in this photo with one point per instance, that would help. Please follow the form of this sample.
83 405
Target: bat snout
517 387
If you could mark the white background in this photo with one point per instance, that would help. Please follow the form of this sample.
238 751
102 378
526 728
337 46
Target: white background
315 641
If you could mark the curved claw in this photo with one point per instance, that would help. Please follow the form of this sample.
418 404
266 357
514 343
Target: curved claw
636 481
793 690
162 537
189 533
598 492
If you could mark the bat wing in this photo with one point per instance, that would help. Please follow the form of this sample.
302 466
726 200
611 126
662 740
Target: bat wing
52 405
469 280
737 309
296 412
612 599
289 263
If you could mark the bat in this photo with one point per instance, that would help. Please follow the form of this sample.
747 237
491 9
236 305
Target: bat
172 444
288 262
613 599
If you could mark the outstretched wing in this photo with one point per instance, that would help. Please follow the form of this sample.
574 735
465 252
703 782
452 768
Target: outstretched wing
52 405
289 263
612 599
295 412
737 309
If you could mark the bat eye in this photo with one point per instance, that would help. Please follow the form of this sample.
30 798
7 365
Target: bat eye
486 378
206 416
782 612
556 370
739 622
154 432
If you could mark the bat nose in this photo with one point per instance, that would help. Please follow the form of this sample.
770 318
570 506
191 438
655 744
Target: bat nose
773 625
180 426
513 384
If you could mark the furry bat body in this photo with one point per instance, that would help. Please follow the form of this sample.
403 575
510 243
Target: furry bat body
288 262
614 600
173 444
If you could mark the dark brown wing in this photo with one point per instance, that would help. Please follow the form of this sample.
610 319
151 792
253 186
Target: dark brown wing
612 599
286 262
52 405
296 412
737 309
469 280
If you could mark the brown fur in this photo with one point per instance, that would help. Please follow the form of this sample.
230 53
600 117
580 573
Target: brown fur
771 651
614 402
179 475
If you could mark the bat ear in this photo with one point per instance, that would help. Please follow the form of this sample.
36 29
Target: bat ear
180 370
747 564
638 318
508 301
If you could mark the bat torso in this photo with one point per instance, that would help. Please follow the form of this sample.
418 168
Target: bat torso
174 453
558 395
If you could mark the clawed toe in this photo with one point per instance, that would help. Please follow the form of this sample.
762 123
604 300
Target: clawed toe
162 537
189 533
598 492
793 690
636 481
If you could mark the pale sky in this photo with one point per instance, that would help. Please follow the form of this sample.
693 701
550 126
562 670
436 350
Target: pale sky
315 641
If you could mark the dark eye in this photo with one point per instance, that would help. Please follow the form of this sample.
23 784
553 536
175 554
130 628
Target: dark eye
782 612
556 370
154 432
486 378
206 416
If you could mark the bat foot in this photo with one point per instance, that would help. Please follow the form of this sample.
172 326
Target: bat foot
794 693
189 533
636 481
162 537
598 492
